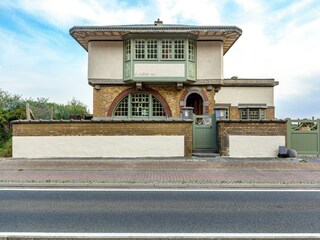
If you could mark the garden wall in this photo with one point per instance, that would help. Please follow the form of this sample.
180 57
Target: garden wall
241 138
119 139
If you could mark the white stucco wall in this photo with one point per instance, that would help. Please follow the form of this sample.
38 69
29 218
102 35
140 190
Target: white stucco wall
105 60
209 60
158 70
255 146
97 146
238 95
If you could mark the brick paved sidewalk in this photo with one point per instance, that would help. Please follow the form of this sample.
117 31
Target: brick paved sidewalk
161 172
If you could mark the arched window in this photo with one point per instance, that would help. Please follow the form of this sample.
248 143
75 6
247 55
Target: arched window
140 105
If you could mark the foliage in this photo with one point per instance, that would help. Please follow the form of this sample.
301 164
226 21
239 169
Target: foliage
13 107
74 109
6 149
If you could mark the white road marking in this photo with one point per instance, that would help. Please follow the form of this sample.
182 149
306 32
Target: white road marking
154 190
162 235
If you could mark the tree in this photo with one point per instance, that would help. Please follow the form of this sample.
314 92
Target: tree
13 107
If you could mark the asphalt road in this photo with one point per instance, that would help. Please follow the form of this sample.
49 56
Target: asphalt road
160 211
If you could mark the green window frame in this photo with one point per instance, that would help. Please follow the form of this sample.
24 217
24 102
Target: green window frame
127 50
146 49
172 49
252 113
222 112
163 49
191 49
140 105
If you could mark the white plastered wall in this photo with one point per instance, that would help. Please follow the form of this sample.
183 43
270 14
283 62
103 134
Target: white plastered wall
255 146
209 60
105 60
238 95
97 146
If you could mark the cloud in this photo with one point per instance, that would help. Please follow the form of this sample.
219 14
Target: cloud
202 12
280 40
281 44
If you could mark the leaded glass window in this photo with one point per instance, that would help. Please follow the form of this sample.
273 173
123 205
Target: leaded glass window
252 114
128 49
122 108
140 105
139 49
179 49
157 108
152 49
191 50
166 46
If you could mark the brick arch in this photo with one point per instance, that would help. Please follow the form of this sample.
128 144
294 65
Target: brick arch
199 91
133 90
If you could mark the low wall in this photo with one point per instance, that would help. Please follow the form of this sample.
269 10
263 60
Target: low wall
241 138
59 139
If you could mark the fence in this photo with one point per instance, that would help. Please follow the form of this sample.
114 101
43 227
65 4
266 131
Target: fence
304 136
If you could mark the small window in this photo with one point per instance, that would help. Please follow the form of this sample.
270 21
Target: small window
179 49
152 49
167 52
252 113
222 113
191 50
139 49
128 50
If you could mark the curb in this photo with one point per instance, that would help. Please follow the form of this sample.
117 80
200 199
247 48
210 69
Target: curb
164 185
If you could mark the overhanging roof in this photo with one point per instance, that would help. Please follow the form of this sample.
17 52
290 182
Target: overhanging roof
83 34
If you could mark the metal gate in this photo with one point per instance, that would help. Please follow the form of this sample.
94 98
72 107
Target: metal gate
205 132
304 136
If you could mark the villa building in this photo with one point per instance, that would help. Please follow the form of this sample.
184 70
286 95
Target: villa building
159 91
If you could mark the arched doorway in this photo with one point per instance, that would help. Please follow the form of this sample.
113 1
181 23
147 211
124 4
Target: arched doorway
195 100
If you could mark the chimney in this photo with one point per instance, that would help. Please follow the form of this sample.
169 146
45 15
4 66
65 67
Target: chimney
158 22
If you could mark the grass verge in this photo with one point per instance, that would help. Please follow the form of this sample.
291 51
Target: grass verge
6 149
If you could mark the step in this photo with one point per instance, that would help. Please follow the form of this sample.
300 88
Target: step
204 153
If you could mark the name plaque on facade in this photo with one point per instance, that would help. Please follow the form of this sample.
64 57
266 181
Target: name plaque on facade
159 70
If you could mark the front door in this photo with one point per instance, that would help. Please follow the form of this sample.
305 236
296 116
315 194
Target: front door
195 100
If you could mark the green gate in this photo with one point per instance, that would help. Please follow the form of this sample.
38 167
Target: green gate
304 136
205 132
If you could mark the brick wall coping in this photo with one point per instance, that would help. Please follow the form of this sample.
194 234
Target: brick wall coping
104 121
252 121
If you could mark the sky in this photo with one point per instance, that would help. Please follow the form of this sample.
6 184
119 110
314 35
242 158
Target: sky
280 40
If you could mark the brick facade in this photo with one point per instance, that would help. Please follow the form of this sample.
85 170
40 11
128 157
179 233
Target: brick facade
235 113
108 96
107 128
250 127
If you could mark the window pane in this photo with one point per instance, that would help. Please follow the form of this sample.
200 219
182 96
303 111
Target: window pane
166 47
139 49
128 49
222 113
179 49
152 49
122 108
157 108
254 113
243 114
140 105
191 50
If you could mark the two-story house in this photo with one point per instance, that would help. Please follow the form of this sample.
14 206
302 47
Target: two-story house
151 71
146 81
